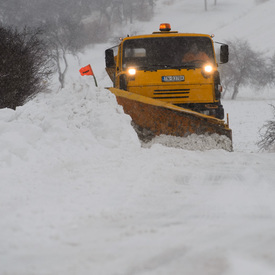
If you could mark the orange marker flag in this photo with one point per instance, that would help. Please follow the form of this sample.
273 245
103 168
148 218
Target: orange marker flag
87 70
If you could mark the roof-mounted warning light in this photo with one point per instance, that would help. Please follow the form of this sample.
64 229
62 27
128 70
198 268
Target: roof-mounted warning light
165 27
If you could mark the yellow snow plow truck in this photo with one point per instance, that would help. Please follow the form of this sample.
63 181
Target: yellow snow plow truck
168 82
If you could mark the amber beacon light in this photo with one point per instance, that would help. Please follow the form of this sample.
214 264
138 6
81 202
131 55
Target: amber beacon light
165 27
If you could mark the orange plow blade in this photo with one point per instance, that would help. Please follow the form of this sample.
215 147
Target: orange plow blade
160 118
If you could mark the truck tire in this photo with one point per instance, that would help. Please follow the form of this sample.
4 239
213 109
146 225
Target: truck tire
123 82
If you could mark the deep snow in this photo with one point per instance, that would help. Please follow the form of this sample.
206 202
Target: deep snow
80 195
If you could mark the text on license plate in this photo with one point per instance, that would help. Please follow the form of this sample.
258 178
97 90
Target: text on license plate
172 78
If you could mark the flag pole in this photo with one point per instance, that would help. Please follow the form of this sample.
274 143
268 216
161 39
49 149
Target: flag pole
95 80
87 70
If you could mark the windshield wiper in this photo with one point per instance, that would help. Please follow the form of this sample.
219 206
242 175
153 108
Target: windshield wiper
186 65
194 62
153 67
156 67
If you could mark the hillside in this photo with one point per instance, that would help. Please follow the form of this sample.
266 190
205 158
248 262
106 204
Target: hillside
80 195
229 19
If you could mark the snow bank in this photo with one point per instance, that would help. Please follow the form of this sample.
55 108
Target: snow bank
80 195
58 131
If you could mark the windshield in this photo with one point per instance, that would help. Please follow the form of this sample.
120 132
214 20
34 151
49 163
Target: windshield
167 52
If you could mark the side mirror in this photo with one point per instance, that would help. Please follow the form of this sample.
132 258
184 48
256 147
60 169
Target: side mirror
109 58
224 53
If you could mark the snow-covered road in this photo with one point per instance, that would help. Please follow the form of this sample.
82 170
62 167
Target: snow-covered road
80 195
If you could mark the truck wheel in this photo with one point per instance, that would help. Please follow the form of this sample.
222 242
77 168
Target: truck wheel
123 82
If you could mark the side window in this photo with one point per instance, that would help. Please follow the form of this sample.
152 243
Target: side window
134 57
135 52
119 58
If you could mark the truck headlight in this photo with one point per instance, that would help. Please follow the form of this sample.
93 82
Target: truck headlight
132 71
207 70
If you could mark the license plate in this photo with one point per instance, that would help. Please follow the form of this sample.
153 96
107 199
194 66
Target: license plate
172 78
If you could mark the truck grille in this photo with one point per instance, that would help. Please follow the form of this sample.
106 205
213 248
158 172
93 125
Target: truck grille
171 93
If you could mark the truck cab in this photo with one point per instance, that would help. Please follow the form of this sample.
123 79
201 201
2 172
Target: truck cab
178 68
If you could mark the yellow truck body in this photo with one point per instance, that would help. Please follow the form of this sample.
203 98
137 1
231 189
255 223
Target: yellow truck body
179 69
159 71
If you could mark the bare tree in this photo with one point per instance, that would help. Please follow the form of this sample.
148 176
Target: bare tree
205 4
73 24
65 37
267 134
246 67
25 65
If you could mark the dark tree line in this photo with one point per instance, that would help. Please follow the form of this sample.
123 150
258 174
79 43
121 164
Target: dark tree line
35 32
25 65
96 17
